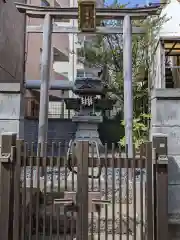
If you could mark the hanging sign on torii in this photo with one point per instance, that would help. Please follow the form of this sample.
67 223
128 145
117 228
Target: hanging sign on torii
87 15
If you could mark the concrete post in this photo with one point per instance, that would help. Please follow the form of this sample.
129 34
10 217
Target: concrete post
127 72
160 175
45 77
165 114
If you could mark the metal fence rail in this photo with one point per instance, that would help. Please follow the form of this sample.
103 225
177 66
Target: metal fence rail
118 201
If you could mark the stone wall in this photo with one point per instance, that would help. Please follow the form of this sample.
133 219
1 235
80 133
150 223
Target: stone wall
59 131
11 109
165 106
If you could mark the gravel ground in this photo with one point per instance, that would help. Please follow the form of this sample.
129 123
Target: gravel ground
95 237
53 174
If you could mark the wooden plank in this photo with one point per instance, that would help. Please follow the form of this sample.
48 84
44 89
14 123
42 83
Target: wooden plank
5 200
7 188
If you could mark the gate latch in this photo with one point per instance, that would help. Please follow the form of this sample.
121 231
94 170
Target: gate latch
5 158
8 157
162 159
69 204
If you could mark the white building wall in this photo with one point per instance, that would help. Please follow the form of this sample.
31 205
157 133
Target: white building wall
170 29
72 66
165 116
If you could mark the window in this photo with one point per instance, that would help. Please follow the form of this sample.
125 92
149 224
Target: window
59 56
56 55
82 73
45 3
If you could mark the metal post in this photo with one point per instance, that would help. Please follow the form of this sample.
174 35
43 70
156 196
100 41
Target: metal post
127 72
45 77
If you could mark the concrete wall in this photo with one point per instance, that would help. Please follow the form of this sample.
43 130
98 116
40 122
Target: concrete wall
11 43
166 119
12 26
11 109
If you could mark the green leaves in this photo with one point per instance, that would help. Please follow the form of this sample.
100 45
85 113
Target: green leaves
107 50
140 130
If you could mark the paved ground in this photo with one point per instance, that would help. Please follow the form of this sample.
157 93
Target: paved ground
95 237
117 225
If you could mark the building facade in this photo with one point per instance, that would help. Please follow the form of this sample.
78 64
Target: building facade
165 102
65 60
12 27
12 41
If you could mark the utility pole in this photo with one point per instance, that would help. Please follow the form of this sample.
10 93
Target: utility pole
128 93
45 78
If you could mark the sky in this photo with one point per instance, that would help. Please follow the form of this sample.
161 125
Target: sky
133 3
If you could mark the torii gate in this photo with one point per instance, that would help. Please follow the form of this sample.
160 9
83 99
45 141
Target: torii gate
87 25
88 14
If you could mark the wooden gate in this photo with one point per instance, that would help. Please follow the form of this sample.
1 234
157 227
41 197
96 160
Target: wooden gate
84 196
